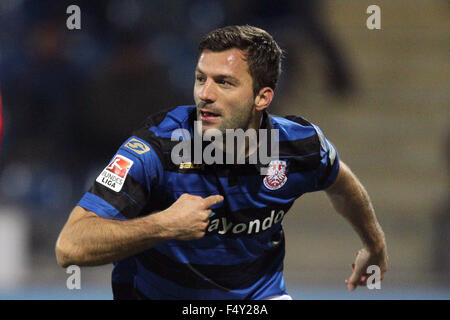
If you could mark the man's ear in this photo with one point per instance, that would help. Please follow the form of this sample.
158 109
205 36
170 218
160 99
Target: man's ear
264 98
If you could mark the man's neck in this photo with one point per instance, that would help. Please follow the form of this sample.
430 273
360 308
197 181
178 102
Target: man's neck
250 146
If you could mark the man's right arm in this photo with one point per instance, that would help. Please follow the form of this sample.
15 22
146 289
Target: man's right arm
90 240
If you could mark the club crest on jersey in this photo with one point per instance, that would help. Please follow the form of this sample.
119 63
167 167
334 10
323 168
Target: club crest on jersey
276 175
113 176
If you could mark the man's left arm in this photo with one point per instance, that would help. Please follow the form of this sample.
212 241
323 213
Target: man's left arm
351 200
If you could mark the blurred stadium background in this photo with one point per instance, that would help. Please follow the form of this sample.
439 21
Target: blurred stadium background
70 97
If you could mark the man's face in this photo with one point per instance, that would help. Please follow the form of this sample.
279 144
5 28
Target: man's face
223 90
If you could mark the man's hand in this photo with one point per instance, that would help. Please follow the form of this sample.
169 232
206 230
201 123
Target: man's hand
188 217
364 259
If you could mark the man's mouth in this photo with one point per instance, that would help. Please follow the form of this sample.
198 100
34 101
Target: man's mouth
208 116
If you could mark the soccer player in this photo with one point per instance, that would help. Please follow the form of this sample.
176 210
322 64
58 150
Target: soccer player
214 231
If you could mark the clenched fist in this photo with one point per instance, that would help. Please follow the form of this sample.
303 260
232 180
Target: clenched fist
188 217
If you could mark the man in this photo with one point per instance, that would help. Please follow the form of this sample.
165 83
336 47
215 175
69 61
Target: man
188 231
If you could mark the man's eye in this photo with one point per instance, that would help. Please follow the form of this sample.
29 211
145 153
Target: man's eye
224 82
200 78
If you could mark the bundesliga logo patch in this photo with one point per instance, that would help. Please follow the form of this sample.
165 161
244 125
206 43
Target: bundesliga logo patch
276 176
113 176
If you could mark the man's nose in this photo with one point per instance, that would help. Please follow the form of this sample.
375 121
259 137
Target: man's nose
208 92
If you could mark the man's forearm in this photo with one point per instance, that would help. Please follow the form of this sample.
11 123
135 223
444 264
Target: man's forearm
93 240
89 240
352 201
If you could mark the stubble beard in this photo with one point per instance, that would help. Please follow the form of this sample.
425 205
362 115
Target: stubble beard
237 121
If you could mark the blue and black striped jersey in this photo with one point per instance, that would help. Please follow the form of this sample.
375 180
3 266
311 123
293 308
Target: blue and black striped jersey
241 255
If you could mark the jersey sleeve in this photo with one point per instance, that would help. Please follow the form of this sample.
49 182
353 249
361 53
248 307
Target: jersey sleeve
328 169
122 189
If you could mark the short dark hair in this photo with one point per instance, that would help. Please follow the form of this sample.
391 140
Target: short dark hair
262 52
